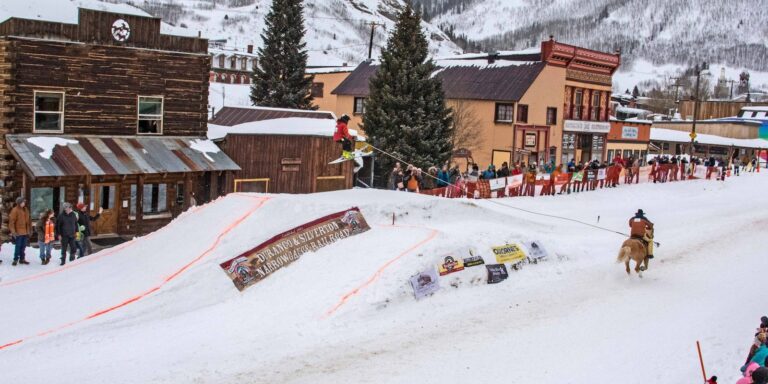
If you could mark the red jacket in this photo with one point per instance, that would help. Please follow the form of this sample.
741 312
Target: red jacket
618 160
341 131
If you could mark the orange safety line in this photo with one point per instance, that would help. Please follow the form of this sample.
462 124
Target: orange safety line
97 256
146 293
381 269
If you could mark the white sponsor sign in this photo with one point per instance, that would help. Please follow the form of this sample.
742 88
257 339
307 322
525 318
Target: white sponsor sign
499 183
628 132
586 126
515 181
700 172
601 174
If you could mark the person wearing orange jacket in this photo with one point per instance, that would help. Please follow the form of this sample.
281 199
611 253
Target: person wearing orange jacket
46 234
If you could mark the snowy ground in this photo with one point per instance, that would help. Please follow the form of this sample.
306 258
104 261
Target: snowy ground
160 310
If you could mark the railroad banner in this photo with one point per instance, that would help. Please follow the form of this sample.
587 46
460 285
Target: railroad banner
256 264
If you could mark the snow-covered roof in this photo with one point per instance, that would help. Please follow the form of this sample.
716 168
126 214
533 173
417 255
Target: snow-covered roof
330 70
633 120
632 110
300 126
662 134
230 52
484 55
755 108
482 64
60 11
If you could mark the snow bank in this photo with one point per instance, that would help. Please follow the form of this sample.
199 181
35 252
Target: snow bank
663 134
205 147
47 144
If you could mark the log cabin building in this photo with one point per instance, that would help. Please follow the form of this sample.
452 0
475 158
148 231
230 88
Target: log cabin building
543 104
104 109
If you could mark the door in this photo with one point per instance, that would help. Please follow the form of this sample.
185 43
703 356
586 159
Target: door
103 196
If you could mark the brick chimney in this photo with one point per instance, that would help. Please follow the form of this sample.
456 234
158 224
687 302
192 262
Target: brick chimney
250 48
492 57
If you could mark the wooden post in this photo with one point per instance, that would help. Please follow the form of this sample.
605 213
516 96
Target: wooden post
139 204
87 193
701 360
214 191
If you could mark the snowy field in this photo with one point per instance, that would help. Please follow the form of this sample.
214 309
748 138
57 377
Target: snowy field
160 310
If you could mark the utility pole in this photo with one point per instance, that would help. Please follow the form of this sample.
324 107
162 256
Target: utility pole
698 69
370 43
677 88
730 94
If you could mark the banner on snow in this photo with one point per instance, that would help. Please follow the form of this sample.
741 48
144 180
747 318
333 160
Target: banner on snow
425 283
508 253
514 181
535 250
496 273
256 264
473 261
450 264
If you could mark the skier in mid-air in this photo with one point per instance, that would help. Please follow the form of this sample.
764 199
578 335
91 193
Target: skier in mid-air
342 135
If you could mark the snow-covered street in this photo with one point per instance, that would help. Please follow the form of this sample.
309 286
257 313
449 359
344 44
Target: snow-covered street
160 309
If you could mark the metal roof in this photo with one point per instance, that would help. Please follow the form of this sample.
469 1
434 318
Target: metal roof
231 116
501 83
116 155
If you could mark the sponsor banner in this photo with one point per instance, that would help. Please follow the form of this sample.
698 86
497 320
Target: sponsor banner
586 126
256 264
496 273
578 176
700 172
562 178
515 181
629 132
536 251
601 174
508 253
591 174
450 264
544 176
497 183
473 261
425 284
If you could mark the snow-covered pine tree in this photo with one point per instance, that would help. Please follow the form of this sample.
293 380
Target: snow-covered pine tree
279 80
405 113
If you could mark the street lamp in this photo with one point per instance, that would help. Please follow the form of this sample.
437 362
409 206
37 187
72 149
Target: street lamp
699 69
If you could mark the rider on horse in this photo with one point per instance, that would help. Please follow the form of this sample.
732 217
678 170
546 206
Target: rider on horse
642 229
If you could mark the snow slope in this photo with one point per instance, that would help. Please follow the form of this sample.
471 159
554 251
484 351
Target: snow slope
160 310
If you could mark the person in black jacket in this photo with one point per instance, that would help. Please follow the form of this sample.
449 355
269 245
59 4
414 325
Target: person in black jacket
84 220
66 229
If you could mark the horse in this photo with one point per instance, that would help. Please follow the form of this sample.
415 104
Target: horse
634 249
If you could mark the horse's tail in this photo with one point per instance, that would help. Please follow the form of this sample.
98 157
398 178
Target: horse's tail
624 254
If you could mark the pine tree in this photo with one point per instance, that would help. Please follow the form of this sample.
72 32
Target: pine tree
279 80
635 92
405 113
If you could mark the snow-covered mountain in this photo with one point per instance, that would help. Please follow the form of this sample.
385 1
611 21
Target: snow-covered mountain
659 31
337 30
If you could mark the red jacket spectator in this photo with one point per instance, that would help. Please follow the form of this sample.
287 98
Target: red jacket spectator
618 160
342 132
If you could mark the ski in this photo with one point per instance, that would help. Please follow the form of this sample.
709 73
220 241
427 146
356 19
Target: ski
358 154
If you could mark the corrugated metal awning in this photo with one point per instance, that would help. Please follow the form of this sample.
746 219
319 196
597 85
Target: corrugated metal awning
116 155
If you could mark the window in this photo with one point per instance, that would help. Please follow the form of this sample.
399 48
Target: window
317 90
45 198
233 62
180 194
49 112
522 113
359 105
595 115
244 63
577 100
610 153
221 61
504 113
627 154
551 116
150 115
154 201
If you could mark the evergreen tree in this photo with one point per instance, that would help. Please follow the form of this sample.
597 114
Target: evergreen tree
635 92
405 113
279 79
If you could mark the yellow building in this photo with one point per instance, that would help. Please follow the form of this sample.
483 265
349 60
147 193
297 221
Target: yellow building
326 80
547 104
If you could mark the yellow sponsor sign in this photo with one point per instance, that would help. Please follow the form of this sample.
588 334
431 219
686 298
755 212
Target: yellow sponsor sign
508 253
450 264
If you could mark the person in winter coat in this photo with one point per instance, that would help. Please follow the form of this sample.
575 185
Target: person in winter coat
20 226
504 171
66 230
639 226
760 355
443 177
489 173
46 234
84 220
392 183
342 136
747 379
412 179
429 181
760 376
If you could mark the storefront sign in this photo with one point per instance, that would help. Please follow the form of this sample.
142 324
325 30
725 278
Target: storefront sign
425 284
450 264
535 250
509 253
530 140
628 132
256 264
586 126
473 261
496 273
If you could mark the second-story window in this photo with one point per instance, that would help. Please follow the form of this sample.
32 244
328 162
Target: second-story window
504 113
577 101
49 112
244 63
150 115
522 113
595 114
551 116
233 62
221 61
359 107
317 90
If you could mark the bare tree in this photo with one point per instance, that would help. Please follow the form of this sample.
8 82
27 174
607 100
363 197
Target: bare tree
465 123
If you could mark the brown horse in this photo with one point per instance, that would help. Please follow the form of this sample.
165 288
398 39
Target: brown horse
634 249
